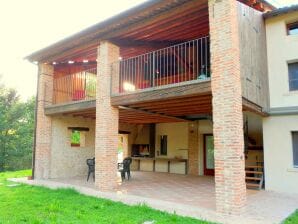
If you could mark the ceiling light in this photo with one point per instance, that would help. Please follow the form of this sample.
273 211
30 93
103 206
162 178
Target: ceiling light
85 61
70 62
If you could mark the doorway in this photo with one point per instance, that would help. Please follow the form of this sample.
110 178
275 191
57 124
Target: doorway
208 155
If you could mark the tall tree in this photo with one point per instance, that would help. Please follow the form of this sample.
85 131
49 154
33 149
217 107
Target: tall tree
16 130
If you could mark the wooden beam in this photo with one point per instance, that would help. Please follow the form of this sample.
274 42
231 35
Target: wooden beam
70 107
152 113
166 93
252 107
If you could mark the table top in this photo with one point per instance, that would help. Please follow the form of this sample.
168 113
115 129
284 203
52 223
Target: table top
160 158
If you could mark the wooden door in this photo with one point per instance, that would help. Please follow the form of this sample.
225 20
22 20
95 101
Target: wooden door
208 155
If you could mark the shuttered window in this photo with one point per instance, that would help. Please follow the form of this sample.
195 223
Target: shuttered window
293 76
295 147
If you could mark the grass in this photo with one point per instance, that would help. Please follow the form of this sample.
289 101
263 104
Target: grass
293 219
31 204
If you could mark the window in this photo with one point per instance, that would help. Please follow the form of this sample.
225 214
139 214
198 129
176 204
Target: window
163 145
292 28
293 76
295 147
77 138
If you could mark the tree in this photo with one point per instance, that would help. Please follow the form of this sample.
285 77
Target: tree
16 130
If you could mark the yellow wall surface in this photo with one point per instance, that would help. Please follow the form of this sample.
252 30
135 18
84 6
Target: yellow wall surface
282 49
177 145
280 173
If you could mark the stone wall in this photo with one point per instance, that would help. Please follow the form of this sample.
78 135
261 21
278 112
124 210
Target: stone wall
68 161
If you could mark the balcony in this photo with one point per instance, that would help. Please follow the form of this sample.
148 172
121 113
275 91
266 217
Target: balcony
80 86
180 64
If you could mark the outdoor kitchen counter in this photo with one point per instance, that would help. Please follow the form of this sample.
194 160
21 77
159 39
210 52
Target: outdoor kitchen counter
168 160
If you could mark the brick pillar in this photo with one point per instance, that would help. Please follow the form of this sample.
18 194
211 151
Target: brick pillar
43 122
107 118
193 148
227 107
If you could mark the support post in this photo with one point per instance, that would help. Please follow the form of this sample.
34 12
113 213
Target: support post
43 126
193 148
227 107
107 118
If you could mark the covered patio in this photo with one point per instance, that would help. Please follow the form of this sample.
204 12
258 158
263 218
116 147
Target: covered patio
187 195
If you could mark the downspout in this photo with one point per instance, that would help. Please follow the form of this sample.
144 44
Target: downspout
35 125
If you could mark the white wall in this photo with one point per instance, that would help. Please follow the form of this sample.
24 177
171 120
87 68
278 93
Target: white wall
280 174
281 49
67 161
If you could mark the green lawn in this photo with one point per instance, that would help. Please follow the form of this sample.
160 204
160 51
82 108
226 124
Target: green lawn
29 204
293 219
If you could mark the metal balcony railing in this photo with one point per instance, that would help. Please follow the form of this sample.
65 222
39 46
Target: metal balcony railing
183 62
75 87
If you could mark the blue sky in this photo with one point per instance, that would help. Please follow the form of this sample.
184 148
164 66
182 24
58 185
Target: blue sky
27 26
281 3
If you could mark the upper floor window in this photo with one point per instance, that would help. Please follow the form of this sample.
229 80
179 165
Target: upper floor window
293 76
295 147
292 28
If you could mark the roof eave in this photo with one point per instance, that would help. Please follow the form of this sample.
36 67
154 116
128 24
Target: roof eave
35 56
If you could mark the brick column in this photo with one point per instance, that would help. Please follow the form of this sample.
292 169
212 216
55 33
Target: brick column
43 122
193 148
227 107
107 118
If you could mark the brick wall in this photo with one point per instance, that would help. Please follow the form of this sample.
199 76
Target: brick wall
107 118
44 124
227 107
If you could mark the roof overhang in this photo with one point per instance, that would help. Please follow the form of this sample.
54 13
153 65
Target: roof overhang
90 38
281 11
101 30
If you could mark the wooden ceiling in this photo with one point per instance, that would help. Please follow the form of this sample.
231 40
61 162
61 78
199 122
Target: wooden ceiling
189 21
160 111
166 111
179 24
150 21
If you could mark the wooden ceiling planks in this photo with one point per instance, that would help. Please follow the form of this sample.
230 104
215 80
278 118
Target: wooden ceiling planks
164 111
188 21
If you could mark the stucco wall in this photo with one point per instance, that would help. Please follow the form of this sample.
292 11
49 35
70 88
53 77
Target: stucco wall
281 50
177 145
67 161
280 174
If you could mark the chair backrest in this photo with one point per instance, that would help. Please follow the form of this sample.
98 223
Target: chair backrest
90 162
128 159
126 163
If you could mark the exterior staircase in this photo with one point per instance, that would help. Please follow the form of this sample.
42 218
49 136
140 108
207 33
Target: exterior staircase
254 176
